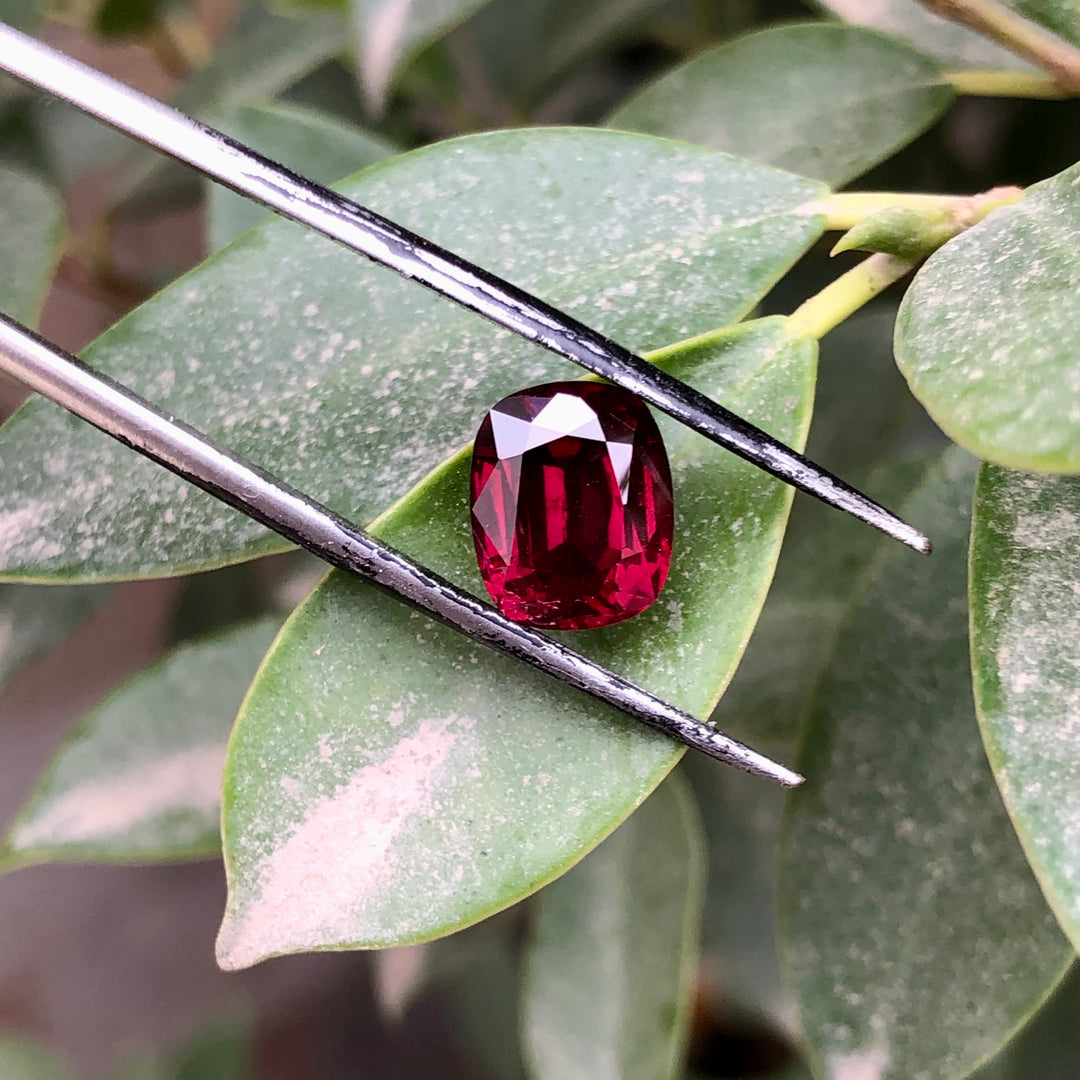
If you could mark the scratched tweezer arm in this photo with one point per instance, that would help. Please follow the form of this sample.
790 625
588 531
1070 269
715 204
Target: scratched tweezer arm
364 231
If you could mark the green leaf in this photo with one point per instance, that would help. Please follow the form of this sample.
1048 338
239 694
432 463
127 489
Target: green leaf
31 233
140 777
820 99
868 429
22 14
391 32
220 1051
1050 1048
525 47
128 18
987 334
942 38
483 998
322 148
610 966
1060 16
1025 623
353 383
739 957
427 783
267 54
32 619
915 938
21 1059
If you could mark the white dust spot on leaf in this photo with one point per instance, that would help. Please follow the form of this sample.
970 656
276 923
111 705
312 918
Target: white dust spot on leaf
869 1063
112 806
1046 532
314 888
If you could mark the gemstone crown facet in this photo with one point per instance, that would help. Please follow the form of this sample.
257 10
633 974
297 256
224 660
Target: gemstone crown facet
572 512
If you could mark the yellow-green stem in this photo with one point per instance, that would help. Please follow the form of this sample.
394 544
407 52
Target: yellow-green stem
849 292
845 209
1053 55
1009 84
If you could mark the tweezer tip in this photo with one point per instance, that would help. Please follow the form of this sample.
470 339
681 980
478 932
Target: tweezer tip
760 765
918 542
785 777
906 534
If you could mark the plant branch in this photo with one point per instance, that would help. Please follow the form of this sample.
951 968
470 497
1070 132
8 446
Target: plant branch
844 296
1009 84
845 209
1060 59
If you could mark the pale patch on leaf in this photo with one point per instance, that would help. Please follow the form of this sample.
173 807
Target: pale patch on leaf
868 1063
326 880
140 778
103 809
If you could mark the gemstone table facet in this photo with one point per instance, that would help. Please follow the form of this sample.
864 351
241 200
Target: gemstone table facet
572 512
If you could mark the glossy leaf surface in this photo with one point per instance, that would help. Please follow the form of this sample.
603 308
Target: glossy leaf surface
1025 622
915 938
987 334
820 99
308 141
141 777
352 383
610 965
415 782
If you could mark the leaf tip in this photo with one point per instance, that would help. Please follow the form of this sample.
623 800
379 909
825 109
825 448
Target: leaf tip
235 949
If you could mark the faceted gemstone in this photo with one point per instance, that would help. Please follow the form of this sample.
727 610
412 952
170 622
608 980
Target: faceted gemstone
572 513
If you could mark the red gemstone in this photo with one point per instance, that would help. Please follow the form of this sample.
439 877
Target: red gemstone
571 505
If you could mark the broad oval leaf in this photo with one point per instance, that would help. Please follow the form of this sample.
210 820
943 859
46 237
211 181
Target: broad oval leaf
934 35
987 335
320 146
389 781
390 32
1025 647
609 968
31 233
140 779
33 618
915 938
352 383
820 99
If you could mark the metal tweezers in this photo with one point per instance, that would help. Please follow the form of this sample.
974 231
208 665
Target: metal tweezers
118 412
